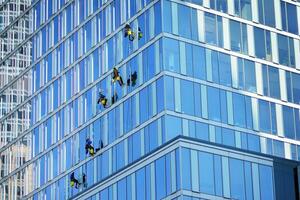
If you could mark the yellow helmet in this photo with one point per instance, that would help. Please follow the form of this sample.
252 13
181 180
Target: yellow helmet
91 151
72 183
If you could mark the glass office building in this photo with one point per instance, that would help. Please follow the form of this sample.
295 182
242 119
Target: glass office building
214 112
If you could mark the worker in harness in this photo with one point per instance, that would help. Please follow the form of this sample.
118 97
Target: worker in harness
89 147
102 99
74 181
116 77
131 81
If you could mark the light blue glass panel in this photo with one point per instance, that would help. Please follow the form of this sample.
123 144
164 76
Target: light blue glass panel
278 148
173 127
253 143
288 122
171 54
239 111
210 28
206 173
266 182
237 180
228 137
186 169
248 180
214 104
140 184
187 97
202 131
218 175
169 93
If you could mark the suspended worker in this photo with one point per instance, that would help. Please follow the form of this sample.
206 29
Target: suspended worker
140 33
102 99
74 181
116 77
114 98
89 148
128 32
131 81
84 180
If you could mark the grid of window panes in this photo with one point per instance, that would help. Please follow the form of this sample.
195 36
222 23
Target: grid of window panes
205 172
205 70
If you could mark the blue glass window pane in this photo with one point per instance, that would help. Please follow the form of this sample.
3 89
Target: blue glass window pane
187 97
221 5
273 118
120 155
158 19
244 140
274 82
121 185
153 135
189 60
140 184
186 169
171 54
160 95
194 24
296 88
148 182
197 99
266 182
246 9
292 18
215 66
168 175
144 111
202 131
167 19
173 127
237 180
291 52
169 93
283 49
248 180
210 28
184 19
253 143
224 114
105 163
278 148
218 175
264 116
214 104
220 31
249 112
239 111
228 137
199 62
206 173
297 123
269 13
288 122
260 48
129 188
265 80
235 31
225 69
289 87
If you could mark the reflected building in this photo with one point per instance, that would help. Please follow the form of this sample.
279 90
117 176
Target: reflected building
208 107
12 125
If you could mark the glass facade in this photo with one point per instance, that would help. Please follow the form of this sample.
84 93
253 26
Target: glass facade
213 112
